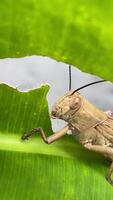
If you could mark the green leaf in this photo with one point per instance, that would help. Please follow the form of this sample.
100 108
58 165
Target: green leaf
35 170
76 32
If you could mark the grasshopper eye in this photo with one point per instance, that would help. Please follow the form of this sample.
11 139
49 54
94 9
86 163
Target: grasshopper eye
74 103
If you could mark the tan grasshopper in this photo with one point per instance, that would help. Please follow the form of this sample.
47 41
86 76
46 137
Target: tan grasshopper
91 127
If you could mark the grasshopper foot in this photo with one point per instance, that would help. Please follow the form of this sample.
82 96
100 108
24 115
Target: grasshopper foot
24 137
109 175
29 134
109 180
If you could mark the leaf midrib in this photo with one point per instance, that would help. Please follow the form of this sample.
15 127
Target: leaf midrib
11 142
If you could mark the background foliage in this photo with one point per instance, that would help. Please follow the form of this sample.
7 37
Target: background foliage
77 32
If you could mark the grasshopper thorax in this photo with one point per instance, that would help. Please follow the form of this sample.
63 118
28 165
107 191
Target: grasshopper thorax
66 105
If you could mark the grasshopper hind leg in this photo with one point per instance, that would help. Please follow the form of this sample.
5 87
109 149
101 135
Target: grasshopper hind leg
109 175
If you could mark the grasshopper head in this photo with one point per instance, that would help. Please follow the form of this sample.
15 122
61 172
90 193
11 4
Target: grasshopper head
66 105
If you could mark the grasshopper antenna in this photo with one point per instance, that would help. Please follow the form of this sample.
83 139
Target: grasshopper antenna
69 77
88 85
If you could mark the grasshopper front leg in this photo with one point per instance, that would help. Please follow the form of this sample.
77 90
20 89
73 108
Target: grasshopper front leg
106 151
47 140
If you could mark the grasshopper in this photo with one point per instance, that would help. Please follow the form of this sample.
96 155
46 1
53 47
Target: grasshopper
91 127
